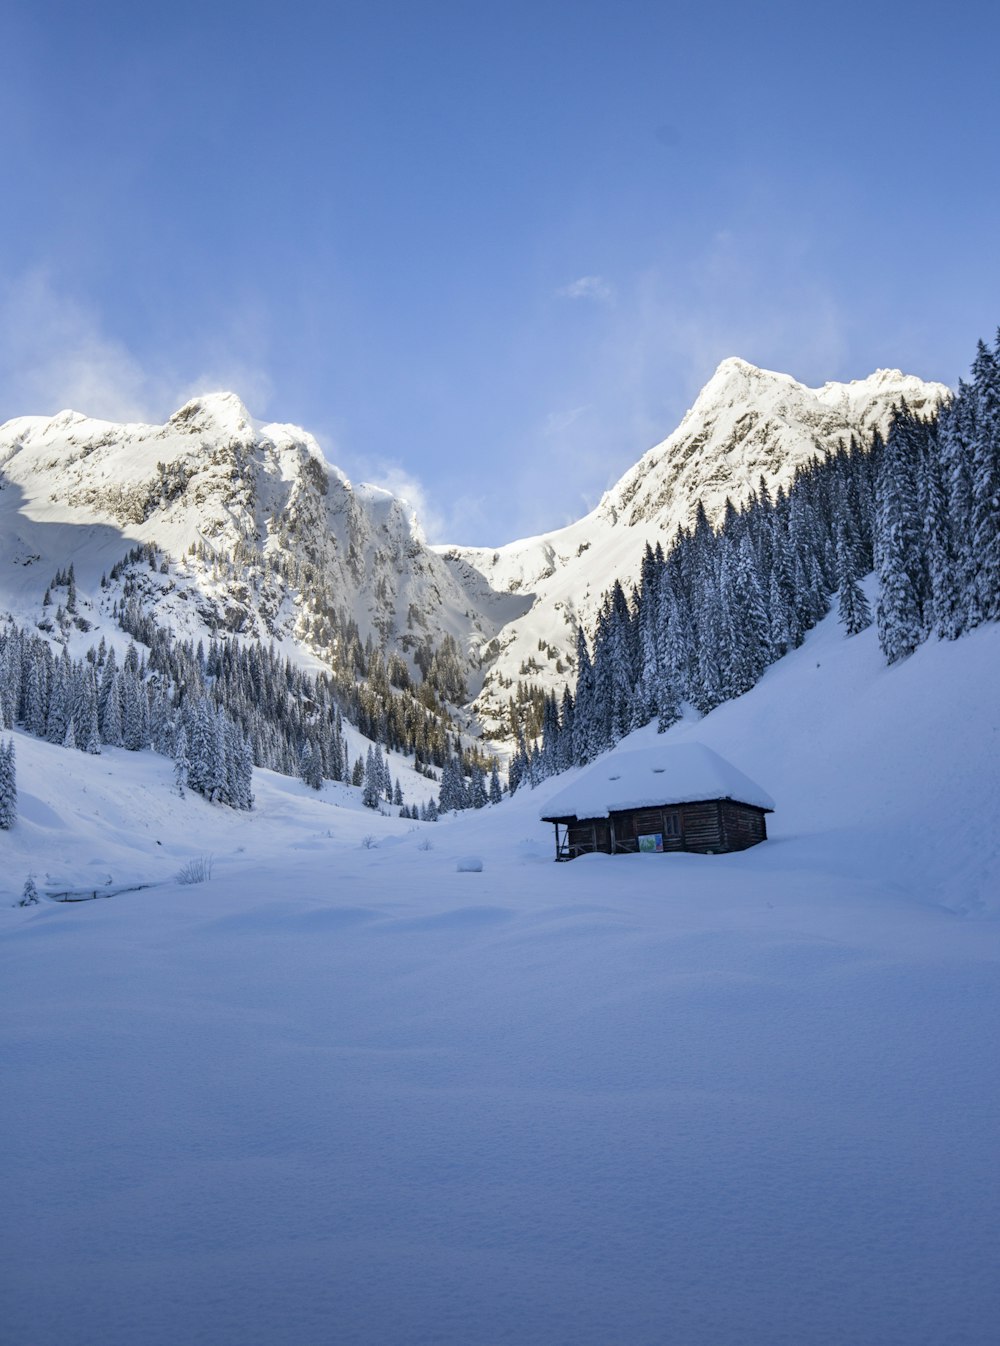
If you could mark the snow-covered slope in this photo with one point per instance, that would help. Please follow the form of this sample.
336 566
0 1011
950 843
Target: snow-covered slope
352 1094
747 424
263 537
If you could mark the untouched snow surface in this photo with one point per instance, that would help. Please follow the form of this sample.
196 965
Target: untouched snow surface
351 1095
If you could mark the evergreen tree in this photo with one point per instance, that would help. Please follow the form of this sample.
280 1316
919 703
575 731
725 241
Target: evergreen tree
111 723
311 765
899 614
496 793
29 893
477 788
985 478
854 610
372 789
582 720
452 796
181 762
135 726
8 785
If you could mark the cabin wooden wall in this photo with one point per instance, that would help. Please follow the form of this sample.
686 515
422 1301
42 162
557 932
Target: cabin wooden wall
714 825
701 826
742 826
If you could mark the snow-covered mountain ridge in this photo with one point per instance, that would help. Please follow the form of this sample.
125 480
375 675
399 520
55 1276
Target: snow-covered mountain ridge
263 538
746 425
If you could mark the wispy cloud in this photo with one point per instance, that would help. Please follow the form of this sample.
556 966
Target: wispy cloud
646 356
595 288
55 354
403 483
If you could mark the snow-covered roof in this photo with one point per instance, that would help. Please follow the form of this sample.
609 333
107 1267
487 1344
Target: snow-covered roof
681 773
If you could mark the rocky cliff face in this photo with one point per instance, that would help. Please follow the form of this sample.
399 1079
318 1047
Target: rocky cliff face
260 536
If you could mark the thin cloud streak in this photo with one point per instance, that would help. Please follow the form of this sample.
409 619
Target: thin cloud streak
55 355
588 287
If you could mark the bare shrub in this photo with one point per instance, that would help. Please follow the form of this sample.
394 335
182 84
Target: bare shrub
198 870
369 842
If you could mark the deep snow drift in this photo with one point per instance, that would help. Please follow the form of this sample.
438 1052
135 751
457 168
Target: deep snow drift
355 1095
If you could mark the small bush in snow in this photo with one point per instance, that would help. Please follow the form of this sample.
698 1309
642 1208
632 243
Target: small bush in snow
426 845
369 842
198 870
30 894
469 864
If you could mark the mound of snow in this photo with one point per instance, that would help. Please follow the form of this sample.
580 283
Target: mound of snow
676 773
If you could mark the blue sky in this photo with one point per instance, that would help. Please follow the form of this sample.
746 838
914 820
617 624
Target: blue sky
488 253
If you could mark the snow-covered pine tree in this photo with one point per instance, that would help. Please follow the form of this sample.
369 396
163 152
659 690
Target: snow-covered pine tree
133 734
372 789
111 723
941 609
621 664
747 635
707 691
59 698
673 661
955 437
311 766
90 725
567 719
899 613
8 784
496 793
477 795
453 795
854 610
181 762
985 474
583 713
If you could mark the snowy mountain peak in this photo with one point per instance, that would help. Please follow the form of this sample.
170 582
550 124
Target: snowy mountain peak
746 424
221 413
734 367
254 534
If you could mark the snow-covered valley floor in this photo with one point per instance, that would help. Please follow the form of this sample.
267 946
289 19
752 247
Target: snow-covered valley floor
351 1095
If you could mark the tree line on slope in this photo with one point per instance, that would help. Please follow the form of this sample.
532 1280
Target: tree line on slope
922 509
90 702
216 713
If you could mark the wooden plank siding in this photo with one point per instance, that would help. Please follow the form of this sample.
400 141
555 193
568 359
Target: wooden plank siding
742 826
701 826
708 826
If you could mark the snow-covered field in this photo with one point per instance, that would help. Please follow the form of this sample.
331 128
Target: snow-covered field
351 1095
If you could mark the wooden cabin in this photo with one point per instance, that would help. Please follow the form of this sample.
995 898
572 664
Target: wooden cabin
684 797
